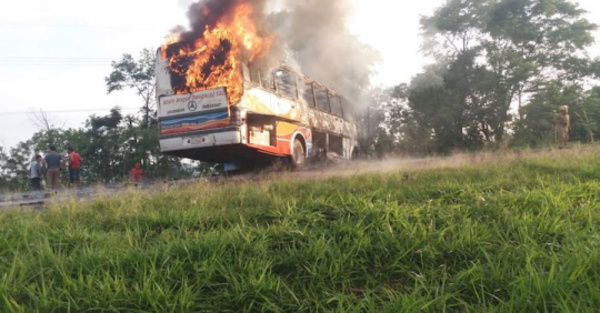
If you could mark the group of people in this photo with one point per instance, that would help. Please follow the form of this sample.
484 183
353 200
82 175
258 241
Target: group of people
52 164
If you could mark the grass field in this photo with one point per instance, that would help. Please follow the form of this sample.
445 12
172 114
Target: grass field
510 233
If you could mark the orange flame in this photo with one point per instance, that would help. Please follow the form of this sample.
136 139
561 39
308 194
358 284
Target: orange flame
213 60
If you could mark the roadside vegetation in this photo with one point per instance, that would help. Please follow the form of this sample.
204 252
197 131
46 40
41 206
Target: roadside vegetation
514 234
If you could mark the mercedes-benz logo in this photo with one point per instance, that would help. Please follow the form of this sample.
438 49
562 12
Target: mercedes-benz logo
192 106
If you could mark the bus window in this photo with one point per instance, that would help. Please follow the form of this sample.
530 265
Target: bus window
322 99
266 79
286 84
307 94
336 105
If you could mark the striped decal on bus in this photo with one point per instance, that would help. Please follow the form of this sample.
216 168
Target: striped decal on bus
194 123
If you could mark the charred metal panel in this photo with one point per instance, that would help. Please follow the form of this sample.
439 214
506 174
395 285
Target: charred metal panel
261 101
332 124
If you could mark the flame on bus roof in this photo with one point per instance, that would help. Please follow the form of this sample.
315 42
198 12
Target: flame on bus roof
224 34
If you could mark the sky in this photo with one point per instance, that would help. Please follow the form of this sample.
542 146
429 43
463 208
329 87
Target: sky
56 53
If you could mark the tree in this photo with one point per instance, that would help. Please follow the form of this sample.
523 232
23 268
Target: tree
16 169
437 112
537 128
137 75
4 171
142 145
389 126
586 124
42 121
142 141
498 53
106 149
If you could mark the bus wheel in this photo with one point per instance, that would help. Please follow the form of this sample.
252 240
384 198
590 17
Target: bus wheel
298 155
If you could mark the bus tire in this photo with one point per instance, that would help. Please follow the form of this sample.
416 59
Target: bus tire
298 154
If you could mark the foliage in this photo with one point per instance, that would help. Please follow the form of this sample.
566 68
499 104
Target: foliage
109 146
116 143
16 169
390 128
4 172
493 55
375 137
537 129
586 117
107 141
137 75
518 234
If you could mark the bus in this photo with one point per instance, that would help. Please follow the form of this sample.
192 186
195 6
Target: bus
281 114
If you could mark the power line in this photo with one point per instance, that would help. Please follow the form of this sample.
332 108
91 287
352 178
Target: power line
64 111
54 61
54 64
82 26
54 58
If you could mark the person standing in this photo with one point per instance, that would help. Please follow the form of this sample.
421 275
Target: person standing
35 173
53 164
562 122
137 173
74 166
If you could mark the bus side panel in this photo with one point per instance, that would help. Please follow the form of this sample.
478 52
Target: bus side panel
287 132
264 102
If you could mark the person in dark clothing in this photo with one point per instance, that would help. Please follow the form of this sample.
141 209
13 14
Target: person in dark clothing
35 173
53 164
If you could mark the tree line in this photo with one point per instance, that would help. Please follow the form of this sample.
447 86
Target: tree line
108 144
502 69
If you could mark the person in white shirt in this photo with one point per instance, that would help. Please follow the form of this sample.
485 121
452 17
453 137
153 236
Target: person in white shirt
35 173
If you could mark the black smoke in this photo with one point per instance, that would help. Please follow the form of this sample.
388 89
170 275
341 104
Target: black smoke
316 36
311 35
206 15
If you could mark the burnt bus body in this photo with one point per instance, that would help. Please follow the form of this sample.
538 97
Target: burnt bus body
281 114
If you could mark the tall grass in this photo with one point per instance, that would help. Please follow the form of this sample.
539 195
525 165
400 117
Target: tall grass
520 234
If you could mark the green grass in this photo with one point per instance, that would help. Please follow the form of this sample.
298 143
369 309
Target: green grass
519 235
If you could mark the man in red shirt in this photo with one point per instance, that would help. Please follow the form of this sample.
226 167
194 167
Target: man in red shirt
137 173
74 166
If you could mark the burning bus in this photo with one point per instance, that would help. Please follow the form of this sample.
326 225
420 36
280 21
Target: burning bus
221 100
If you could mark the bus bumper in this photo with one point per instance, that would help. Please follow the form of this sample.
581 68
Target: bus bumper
196 141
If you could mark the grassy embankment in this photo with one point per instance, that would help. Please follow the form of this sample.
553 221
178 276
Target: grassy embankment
520 235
